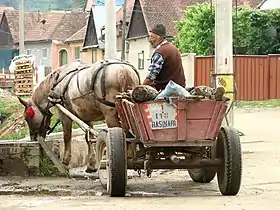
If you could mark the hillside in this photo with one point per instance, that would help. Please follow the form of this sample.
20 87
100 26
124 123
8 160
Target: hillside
47 5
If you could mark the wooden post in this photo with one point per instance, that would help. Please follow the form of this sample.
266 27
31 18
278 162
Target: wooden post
50 154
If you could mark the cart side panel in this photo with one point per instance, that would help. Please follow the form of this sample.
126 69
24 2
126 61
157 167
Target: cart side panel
216 121
122 116
126 107
149 110
146 119
201 119
182 122
131 118
185 121
139 122
126 114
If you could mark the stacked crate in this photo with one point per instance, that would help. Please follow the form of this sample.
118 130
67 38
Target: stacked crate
23 77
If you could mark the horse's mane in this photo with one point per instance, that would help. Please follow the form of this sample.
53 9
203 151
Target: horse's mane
41 92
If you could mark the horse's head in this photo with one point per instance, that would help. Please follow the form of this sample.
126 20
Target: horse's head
37 119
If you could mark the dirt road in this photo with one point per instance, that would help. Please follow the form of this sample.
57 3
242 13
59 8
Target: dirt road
172 190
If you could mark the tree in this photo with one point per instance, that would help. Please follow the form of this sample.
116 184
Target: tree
196 30
254 31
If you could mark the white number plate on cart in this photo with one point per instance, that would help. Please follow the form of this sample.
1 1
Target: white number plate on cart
161 116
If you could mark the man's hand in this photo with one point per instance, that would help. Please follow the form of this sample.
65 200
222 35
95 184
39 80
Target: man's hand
148 81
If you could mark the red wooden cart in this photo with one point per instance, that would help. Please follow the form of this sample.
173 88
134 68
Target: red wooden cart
170 134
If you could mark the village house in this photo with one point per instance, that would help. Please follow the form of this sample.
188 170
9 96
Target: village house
9 34
96 48
47 40
269 4
45 36
93 47
75 44
147 13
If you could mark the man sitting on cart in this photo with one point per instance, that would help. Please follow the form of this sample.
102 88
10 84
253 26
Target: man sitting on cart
166 63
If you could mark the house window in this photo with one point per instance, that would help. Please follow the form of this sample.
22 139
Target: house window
28 51
127 47
141 60
44 53
77 52
94 55
63 57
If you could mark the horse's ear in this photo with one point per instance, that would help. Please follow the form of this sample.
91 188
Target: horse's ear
24 103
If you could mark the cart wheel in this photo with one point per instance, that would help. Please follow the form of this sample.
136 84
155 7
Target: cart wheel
229 150
111 148
204 175
101 154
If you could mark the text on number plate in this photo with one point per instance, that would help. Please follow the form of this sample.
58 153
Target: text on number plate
161 116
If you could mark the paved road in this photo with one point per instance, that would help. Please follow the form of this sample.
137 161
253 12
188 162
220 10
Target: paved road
174 190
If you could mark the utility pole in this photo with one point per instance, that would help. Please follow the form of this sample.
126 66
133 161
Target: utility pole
110 30
21 26
124 30
223 51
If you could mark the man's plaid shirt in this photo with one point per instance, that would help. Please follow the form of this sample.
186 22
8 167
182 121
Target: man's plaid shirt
155 66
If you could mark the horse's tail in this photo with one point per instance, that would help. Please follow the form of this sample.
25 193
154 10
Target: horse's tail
128 78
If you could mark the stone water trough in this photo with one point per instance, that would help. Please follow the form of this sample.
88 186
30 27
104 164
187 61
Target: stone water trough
26 158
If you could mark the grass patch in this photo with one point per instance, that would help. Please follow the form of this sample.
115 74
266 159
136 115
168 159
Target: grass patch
16 135
46 166
9 106
13 109
273 103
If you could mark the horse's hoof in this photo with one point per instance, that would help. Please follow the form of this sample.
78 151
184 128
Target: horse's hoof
65 166
90 169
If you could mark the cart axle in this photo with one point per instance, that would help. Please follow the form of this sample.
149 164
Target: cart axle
168 164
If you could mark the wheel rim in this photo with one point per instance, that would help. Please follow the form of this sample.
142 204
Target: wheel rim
103 173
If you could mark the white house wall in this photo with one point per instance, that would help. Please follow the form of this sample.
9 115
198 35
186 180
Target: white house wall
136 46
36 49
270 4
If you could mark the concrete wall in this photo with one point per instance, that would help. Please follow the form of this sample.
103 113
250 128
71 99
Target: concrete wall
22 157
188 60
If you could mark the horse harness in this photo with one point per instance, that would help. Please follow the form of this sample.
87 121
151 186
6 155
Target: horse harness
55 98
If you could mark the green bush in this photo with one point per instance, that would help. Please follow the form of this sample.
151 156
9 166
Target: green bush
256 32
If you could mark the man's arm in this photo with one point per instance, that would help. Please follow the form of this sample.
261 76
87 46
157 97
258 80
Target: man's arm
154 68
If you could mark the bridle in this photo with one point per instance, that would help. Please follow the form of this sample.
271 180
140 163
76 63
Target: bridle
45 112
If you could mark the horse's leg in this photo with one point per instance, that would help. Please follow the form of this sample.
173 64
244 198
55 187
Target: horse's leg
91 166
67 135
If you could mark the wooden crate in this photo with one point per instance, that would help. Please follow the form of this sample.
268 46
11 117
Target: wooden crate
23 78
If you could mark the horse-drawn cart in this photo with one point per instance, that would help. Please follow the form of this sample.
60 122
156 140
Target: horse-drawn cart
170 134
